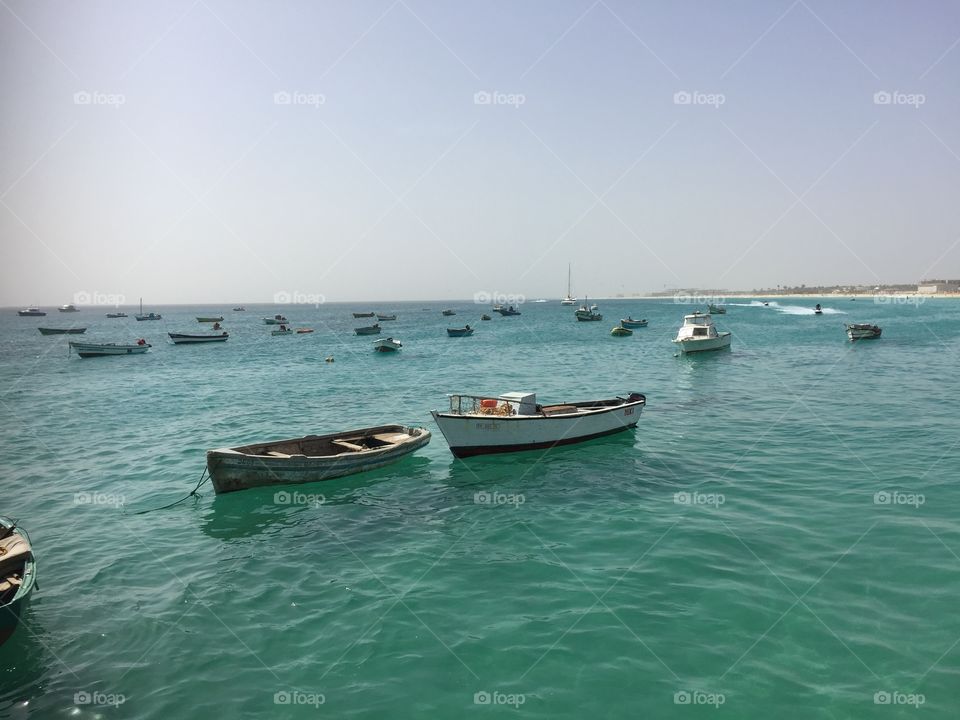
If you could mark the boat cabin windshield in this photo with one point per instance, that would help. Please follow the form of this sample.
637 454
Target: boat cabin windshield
698 320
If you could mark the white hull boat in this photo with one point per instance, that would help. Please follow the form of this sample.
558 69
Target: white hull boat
86 350
387 345
186 339
312 458
569 299
514 422
698 334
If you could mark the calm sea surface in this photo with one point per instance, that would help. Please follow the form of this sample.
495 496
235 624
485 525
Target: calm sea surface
779 538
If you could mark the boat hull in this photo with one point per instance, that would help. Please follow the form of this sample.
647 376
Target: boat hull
210 319
387 345
183 339
28 313
720 342
64 331
459 332
87 350
372 330
231 470
630 324
151 316
476 434
11 611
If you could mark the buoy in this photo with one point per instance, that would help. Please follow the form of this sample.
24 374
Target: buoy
330 359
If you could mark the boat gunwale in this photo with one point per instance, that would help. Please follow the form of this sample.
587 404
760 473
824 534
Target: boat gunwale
234 452
540 415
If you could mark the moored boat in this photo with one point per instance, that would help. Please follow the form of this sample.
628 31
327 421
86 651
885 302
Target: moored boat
275 320
485 317
68 308
863 331
117 315
569 299
629 322
368 330
387 345
385 318
31 312
240 308
284 330
587 313
716 309
466 331
62 331
312 458
304 331
86 350
186 338
148 316
478 425
18 575
698 334
620 331
363 314
506 311
447 312
210 319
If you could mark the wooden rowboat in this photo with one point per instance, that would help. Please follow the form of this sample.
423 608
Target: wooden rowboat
186 338
62 331
209 319
18 575
86 350
369 330
460 332
311 458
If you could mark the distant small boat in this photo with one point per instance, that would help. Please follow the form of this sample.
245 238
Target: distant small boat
716 309
240 309
369 330
587 314
304 331
284 330
698 334
485 317
18 575
205 319
148 316
540 301
275 320
569 299
363 314
766 304
387 345
186 339
620 331
505 311
629 322
448 313
863 331
68 308
385 318
312 458
62 331
31 312
818 310
116 315
86 350
460 332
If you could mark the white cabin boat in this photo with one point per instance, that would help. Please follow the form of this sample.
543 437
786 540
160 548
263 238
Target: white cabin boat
312 458
514 421
68 308
387 345
698 334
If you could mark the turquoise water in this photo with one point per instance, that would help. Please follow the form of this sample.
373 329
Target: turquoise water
729 559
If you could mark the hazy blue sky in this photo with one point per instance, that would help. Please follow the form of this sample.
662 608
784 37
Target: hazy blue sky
182 176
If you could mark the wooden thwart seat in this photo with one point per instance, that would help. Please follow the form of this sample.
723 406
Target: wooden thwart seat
349 445
559 409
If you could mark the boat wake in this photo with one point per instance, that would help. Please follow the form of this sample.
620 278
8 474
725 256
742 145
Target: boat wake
787 309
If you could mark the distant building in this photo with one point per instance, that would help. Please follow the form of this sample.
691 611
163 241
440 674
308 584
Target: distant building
932 287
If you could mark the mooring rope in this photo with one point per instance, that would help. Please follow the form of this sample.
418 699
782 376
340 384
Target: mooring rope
203 479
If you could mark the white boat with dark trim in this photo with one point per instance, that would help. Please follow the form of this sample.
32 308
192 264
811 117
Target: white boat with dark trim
478 425
387 345
86 350
68 308
31 312
188 338
312 458
698 334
